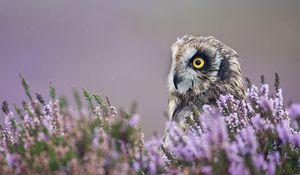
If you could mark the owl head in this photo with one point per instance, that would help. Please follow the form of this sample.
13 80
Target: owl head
201 64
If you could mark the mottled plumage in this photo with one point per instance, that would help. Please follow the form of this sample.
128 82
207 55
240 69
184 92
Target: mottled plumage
189 87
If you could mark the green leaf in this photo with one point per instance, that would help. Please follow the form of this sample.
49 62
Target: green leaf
26 87
38 147
53 162
52 91
68 156
19 112
77 100
98 99
89 99
63 103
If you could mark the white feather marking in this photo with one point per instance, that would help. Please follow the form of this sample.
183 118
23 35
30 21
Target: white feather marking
216 63
218 58
174 51
189 53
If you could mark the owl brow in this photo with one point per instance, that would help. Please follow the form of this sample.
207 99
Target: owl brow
200 54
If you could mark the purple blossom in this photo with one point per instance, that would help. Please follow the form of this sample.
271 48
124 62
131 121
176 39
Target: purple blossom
252 93
136 166
294 111
134 120
206 170
259 162
237 165
237 168
264 90
274 157
152 146
9 120
284 132
247 140
42 137
258 122
206 108
28 120
271 168
296 139
96 138
279 98
10 160
266 103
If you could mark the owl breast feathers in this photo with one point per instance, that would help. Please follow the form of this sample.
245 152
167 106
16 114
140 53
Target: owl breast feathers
202 69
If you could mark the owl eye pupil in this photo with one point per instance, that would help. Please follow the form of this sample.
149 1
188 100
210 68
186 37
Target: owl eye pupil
197 62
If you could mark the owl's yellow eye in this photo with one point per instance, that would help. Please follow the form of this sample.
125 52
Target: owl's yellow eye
198 63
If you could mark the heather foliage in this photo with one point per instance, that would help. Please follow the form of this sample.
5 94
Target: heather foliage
258 135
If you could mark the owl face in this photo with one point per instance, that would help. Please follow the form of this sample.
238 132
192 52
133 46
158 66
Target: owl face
198 63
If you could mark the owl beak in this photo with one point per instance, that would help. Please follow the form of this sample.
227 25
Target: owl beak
181 84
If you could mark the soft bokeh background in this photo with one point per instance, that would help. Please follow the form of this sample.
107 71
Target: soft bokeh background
121 49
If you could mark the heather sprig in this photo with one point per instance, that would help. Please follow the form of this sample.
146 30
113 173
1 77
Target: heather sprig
52 91
26 87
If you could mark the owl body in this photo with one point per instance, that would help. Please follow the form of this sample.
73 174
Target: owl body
202 69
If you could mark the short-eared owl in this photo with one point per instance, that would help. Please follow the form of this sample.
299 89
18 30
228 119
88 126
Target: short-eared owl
202 68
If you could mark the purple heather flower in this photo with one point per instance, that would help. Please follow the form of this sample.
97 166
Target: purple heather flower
227 100
296 139
264 90
246 140
279 97
258 122
136 166
206 108
252 93
95 141
243 107
274 157
114 154
237 165
152 168
8 120
187 152
232 121
269 125
47 122
47 109
259 162
284 132
155 156
266 103
133 120
249 108
10 160
27 119
294 111
271 168
206 170
238 168
222 102
42 137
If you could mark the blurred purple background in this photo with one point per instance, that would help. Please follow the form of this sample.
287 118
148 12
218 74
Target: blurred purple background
121 49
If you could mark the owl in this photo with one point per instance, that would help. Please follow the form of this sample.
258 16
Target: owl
202 69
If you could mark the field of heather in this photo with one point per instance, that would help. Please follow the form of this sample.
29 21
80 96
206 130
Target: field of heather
258 135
